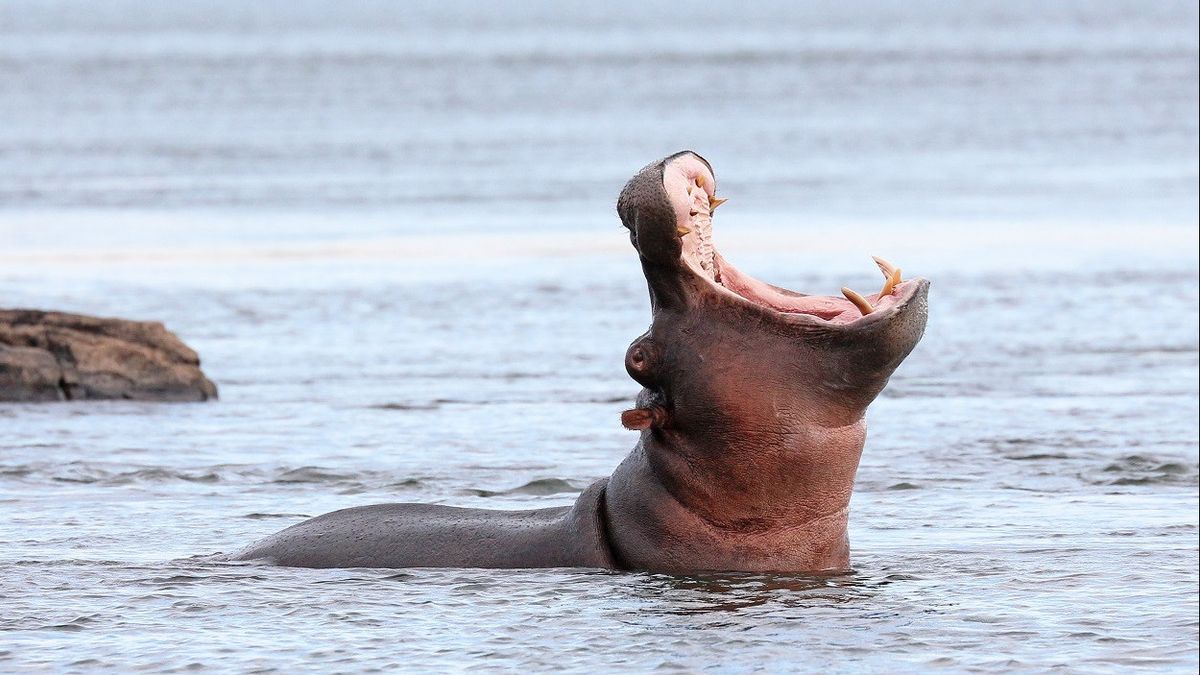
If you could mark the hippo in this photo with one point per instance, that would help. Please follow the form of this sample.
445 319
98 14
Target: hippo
751 422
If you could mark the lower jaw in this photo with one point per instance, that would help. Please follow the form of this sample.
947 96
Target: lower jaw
833 309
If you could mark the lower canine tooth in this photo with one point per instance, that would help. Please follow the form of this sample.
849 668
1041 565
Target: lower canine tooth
859 301
681 230
891 283
884 266
713 203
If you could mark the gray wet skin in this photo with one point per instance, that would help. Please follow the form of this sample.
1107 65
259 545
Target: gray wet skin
751 418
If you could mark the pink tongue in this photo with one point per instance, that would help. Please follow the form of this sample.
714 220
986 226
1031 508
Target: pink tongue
837 310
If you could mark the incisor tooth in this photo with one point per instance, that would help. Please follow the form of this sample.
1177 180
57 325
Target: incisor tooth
859 301
681 230
884 266
890 283
713 203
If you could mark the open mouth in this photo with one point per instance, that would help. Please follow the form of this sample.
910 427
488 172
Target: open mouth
692 191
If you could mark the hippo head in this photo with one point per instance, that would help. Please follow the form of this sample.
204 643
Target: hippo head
724 344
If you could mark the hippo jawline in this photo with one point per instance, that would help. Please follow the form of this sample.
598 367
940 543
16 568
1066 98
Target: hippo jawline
716 327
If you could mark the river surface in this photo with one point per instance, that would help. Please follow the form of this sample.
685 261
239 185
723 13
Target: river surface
388 229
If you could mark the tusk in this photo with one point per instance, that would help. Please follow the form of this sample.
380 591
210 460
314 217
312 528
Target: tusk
884 266
859 301
890 283
681 230
713 203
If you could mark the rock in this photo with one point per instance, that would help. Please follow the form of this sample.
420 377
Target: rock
51 356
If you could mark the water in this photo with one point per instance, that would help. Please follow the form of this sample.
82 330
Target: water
389 233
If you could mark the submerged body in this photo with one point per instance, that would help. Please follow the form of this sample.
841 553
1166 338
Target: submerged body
751 420
432 535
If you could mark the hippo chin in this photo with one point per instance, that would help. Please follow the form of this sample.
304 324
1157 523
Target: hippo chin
751 420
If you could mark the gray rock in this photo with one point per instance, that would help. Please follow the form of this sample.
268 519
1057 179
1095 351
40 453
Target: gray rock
51 356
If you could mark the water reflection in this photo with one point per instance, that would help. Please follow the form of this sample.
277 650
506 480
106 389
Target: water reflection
733 592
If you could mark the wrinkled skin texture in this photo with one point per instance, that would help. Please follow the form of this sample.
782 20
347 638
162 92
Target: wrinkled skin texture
753 468
754 424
